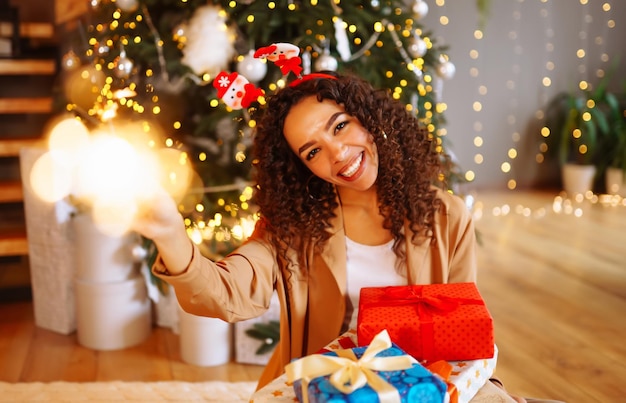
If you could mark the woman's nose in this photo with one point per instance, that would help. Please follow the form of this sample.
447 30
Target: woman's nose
340 151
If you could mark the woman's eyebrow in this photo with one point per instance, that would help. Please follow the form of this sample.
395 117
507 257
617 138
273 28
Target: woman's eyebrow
305 146
332 119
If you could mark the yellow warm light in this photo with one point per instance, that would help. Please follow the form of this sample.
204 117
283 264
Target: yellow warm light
110 169
142 135
68 137
112 173
50 178
195 235
114 217
175 172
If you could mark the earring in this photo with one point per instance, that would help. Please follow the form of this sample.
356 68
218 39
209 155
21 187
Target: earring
384 135
308 190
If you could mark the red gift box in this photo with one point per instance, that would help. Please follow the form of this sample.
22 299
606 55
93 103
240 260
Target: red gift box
430 322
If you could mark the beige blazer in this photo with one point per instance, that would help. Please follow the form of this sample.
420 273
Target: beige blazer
313 301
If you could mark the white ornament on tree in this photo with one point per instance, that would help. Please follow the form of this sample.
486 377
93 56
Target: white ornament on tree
420 9
417 47
326 62
127 6
306 62
446 69
123 65
101 49
341 36
209 46
70 61
252 68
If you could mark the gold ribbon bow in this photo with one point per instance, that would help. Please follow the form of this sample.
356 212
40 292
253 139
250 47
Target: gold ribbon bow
347 373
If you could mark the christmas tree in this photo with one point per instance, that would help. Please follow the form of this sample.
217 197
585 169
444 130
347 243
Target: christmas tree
166 54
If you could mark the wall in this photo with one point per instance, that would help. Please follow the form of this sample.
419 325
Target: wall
511 64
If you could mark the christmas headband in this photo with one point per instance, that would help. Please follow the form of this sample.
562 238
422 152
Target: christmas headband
237 92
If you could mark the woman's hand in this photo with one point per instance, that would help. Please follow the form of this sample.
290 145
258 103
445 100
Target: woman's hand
158 219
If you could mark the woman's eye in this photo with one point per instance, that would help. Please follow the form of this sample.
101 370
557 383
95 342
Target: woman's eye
340 126
312 153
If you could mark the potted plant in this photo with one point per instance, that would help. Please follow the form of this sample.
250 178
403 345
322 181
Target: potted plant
576 128
614 148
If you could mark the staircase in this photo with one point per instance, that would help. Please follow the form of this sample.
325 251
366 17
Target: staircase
27 78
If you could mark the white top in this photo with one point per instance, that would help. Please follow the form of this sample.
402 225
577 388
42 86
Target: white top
369 266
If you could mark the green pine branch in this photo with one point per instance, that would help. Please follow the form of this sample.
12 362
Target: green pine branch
268 333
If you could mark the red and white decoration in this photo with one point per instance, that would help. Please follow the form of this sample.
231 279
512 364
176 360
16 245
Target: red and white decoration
235 90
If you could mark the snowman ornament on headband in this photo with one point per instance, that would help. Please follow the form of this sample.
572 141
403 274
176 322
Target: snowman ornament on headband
238 93
284 55
235 90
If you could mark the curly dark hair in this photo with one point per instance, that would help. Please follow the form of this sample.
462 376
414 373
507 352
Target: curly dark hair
297 206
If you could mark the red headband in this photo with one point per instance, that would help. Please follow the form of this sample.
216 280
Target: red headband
311 76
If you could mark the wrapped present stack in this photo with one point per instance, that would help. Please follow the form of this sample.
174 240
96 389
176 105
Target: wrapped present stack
431 343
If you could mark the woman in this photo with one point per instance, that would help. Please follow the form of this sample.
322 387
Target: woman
345 192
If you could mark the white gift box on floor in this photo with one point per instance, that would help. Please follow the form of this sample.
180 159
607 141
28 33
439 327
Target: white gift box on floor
101 257
204 341
50 253
112 315
246 346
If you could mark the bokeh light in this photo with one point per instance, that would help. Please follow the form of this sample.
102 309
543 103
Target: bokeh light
112 171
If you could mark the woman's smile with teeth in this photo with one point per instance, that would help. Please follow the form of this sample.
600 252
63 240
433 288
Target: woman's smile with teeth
351 170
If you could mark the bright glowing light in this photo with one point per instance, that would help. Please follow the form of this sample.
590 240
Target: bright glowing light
114 217
175 172
67 138
50 180
108 168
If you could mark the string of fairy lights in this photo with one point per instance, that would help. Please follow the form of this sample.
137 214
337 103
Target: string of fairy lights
563 204
474 71
548 67
511 85
582 54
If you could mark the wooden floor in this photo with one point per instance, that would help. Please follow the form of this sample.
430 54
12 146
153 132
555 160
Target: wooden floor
555 283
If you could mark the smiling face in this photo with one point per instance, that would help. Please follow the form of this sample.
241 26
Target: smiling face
332 144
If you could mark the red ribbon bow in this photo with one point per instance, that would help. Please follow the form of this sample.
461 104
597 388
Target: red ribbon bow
290 65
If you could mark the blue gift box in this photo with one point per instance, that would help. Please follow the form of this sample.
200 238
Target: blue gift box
415 384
